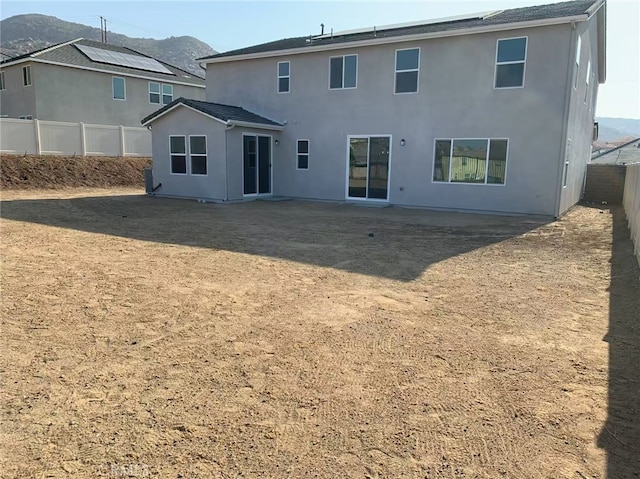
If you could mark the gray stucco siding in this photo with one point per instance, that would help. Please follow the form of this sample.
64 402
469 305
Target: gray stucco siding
18 100
185 122
456 99
74 95
581 115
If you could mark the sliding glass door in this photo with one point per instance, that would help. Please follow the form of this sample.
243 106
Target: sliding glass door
368 167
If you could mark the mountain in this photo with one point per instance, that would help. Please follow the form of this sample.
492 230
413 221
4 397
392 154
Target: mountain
25 33
612 129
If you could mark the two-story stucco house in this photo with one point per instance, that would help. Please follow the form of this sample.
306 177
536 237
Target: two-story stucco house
489 112
91 82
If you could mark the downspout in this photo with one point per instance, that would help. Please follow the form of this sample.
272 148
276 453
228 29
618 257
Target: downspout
565 122
226 161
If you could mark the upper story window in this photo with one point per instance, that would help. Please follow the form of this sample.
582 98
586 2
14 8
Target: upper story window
284 77
159 92
343 72
511 56
576 63
303 155
470 161
586 81
2 86
167 94
407 68
119 89
26 75
154 93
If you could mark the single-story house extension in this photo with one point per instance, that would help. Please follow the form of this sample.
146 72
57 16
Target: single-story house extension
488 112
84 81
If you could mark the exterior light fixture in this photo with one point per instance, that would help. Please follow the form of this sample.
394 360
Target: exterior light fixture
277 142
402 142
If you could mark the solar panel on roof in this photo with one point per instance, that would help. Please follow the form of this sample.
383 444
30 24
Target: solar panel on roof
138 62
379 28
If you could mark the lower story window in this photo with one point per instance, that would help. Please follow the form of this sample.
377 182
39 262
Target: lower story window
198 154
303 155
178 153
478 161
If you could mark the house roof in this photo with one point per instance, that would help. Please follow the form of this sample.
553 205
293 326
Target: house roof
551 13
68 54
228 114
628 152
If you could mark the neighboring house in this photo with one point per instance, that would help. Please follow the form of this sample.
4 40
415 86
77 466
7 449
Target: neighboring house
91 82
624 154
489 112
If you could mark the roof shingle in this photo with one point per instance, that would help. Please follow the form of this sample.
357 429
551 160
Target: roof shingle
227 113
68 54
514 15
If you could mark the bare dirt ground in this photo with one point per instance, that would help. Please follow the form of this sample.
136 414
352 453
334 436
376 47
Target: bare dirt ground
27 172
146 337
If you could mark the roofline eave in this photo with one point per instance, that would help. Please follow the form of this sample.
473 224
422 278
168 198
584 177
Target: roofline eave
261 126
397 39
247 124
110 72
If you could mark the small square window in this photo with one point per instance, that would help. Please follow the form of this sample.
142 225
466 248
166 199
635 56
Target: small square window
303 155
343 72
119 89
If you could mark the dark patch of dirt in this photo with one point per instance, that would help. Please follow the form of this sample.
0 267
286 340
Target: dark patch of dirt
20 172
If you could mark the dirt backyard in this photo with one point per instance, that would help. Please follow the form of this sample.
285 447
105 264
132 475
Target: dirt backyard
146 337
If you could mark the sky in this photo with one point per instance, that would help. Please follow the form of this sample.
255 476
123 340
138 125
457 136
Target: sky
227 25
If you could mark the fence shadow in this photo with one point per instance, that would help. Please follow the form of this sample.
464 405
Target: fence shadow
620 436
394 243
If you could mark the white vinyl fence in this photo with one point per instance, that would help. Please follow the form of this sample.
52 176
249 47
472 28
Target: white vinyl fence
39 137
631 203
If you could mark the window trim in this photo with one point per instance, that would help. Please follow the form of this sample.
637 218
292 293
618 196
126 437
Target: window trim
565 168
162 93
343 72
191 155
3 85
113 89
186 156
159 93
26 75
576 62
396 71
282 76
308 153
524 62
586 82
462 183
